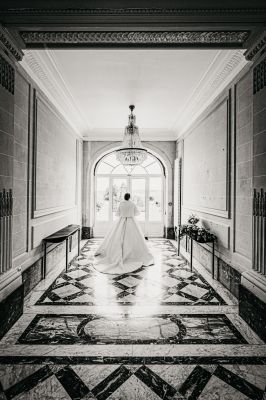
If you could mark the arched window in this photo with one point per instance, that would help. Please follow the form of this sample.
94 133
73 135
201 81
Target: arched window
109 165
145 184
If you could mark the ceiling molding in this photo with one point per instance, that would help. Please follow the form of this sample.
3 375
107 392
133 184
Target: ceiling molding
42 68
135 11
9 45
257 48
225 38
222 71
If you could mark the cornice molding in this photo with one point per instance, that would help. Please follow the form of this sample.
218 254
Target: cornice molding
9 45
221 72
124 38
257 49
135 11
41 67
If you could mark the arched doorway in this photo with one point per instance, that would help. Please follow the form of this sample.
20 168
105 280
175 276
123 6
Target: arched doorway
146 183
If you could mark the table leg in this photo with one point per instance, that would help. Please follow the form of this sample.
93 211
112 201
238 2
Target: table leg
78 242
186 243
66 253
213 259
191 253
178 251
44 261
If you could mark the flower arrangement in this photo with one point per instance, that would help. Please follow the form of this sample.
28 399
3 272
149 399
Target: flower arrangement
197 233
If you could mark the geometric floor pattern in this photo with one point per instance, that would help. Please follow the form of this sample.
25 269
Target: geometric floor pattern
169 282
153 329
161 332
136 382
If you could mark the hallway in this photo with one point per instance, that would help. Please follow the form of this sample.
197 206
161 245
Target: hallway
162 332
151 115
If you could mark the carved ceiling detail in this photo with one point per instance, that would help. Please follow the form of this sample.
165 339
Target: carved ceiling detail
257 49
135 11
142 38
9 45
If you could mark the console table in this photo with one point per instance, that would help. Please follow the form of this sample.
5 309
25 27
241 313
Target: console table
191 249
59 237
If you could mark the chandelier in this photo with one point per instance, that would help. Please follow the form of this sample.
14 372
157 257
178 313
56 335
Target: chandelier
131 153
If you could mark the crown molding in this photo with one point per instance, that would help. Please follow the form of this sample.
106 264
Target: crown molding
139 38
257 48
9 45
221 72
135 11
41 66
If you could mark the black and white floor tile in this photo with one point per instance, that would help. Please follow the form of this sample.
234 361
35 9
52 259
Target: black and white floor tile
133 381
162 332
169 282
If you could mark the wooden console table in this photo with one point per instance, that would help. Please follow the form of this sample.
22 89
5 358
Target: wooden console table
191 250
58 237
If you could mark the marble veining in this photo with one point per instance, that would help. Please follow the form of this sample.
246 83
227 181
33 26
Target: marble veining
162 332
168 282
127 381
122 329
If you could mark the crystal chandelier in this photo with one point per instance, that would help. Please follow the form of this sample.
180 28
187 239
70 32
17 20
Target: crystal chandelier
131 153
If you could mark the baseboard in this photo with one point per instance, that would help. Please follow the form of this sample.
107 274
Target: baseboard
252 310
11 309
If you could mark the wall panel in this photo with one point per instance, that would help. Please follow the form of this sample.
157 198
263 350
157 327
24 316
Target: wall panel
206 154
54 185
243 166
20 177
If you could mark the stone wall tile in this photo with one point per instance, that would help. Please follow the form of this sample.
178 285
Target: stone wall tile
259 166
259 145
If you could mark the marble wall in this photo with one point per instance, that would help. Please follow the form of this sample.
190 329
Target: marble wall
40 159
225 204
7 133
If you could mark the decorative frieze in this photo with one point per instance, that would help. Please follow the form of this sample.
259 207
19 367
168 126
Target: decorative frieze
135 11
149 38
7 75
259 76
8 44
257 49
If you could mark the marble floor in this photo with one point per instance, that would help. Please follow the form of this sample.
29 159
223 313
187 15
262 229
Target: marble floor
161 332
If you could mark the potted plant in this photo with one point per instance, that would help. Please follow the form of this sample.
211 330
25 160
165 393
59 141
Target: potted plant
197 233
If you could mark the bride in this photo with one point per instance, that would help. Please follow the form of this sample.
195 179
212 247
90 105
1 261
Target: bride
124 248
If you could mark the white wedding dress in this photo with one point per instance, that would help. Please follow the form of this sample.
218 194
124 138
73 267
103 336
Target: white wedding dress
124 248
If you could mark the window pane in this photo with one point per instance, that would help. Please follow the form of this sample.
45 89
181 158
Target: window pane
119 188
155 199
138 196
104 168
138 170
111 159
119 170
154 168
102 199
150 159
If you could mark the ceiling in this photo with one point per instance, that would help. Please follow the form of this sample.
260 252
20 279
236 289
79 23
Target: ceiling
170 88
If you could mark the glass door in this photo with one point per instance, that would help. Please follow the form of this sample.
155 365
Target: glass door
119 188
138 196
155 201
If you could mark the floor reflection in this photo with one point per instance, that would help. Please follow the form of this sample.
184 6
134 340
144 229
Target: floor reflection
168 282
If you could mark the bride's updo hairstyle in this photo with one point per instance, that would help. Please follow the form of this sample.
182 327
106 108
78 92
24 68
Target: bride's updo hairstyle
127 196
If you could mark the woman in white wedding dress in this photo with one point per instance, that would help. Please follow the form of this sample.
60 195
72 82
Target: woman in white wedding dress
124 248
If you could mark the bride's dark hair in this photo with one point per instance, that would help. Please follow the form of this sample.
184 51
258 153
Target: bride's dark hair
127 196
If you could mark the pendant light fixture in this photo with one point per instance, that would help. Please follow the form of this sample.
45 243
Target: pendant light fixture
131 153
